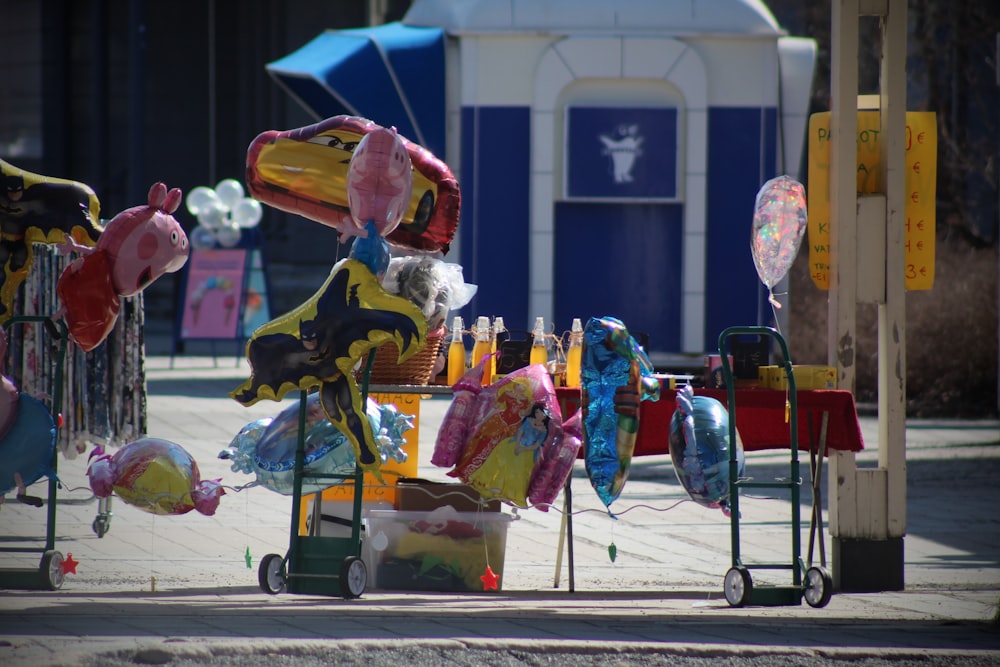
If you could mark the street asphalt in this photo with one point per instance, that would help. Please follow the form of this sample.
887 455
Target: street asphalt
176 590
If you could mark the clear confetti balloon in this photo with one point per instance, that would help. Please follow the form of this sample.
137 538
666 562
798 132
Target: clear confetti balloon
779 222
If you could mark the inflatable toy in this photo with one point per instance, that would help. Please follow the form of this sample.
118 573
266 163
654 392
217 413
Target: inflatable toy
615 375
379 181
453 433
320 342
304 171
9 393
39 209
266 447
699 448
156 476
137 246
510 435
26 450
222 213
779 221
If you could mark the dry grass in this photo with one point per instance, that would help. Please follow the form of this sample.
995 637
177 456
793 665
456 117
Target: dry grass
951 334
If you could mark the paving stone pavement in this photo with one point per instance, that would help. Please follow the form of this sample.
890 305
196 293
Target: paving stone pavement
181 583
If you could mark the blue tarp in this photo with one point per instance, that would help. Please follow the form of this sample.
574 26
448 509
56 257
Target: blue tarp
392 74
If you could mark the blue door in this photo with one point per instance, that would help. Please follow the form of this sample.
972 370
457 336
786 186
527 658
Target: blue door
622 260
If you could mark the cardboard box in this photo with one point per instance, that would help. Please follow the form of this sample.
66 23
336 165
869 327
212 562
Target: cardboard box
806 377
443 550
421 495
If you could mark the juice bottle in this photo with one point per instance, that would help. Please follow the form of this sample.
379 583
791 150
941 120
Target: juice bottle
498 330
574 354
482 348
539 351
456 353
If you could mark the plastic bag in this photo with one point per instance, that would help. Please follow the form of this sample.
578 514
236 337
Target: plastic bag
436 287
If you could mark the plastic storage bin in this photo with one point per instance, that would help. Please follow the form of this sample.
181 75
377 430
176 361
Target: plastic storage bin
443 550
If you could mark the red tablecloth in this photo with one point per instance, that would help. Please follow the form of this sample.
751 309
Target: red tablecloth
760 418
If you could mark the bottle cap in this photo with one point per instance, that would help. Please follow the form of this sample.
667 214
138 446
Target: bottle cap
482 327
577 325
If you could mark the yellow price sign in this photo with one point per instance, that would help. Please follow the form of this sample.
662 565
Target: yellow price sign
921 191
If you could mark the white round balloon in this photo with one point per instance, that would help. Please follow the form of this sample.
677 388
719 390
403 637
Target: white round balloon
202 238
213 216
230 192
247 213
200 198
228 235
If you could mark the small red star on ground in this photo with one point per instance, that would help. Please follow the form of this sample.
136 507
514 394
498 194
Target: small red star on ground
69 565
490 579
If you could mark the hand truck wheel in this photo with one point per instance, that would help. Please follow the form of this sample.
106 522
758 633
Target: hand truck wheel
51 570
271 574
738 586
353 577
818 587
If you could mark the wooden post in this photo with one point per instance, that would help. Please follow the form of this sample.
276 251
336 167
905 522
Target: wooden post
867 514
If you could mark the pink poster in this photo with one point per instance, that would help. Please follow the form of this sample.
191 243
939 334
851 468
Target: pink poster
214 293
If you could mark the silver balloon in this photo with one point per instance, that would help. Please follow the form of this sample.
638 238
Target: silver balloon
200 198
213 216
202 238
228 235
247 213
230 192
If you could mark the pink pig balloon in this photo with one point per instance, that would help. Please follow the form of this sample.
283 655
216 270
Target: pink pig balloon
144 242
379 181
136 247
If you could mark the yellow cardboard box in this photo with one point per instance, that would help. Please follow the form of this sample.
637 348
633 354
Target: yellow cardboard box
806 377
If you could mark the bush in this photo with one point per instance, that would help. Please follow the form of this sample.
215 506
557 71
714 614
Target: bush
951 334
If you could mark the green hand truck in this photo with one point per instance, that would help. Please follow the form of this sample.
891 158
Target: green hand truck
49 574
317 564
814 584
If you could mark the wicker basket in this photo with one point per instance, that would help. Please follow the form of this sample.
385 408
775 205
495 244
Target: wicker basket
415 370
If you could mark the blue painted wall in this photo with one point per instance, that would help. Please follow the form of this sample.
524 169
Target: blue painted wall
496 172
613 259
741 157
622 260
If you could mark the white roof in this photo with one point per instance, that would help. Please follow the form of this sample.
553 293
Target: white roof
662 17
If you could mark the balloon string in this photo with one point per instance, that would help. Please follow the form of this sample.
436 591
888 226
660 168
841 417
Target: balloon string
772 299
152 555
774 311
486 548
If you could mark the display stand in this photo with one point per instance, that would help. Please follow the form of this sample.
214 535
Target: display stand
49 574
814 584
315 564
